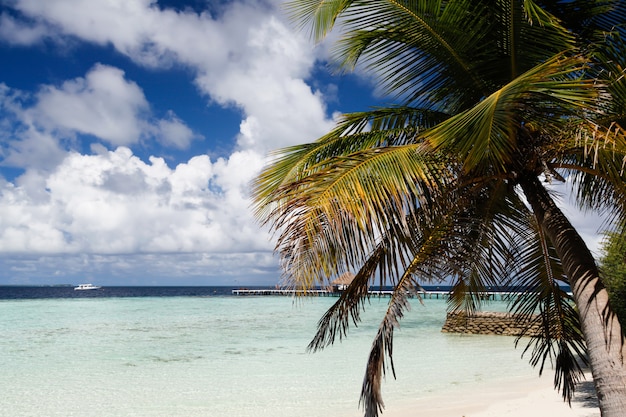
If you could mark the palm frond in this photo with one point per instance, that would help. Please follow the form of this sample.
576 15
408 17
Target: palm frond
428 246
485 136
428 264
546 305
336 215
595 162
382 347
483 254
445 54
354 133
335 323
609 66
385 264
590 18
409 44
319 15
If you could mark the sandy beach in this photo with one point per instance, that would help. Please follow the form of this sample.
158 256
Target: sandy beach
514 398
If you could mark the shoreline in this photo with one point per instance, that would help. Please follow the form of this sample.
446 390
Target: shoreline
516 397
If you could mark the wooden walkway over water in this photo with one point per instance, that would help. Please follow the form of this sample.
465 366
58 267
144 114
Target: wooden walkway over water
492 295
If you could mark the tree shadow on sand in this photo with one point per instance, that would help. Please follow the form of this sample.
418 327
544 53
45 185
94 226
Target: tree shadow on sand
586 395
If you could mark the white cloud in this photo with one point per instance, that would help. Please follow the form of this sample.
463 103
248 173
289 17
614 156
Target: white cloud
102 104
173 132
249 58
31 147
193 220
265 77
143 269
97 210
115 203
19 33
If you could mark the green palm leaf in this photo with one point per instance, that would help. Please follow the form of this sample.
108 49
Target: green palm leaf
486 135
546 304
494 95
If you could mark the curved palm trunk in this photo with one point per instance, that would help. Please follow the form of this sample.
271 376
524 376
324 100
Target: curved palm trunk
601 329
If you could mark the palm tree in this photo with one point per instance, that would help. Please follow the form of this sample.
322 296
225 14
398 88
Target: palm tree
495 100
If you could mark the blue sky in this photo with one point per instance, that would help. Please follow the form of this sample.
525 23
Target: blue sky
129 132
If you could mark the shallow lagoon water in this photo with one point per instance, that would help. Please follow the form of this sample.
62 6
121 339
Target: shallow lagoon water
224 356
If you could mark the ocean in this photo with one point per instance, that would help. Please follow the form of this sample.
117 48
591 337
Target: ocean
199 351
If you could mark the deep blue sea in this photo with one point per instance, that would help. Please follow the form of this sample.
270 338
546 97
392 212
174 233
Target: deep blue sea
199 351
8 292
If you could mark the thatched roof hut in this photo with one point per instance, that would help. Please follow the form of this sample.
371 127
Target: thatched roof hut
343 281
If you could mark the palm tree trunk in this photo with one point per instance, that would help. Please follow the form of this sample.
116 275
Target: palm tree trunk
601 329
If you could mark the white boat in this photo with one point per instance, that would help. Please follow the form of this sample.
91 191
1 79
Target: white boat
84 287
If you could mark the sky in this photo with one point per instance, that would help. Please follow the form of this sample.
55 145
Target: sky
130 131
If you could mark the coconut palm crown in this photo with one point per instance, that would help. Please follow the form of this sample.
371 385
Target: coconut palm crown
495 100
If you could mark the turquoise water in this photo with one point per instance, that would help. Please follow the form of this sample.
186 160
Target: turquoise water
223 356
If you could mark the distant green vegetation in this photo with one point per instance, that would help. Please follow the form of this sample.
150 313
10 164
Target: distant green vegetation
613 272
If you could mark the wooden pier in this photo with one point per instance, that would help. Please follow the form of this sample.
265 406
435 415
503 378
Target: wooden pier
490 296
283 292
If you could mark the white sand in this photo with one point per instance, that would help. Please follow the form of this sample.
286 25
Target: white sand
534 397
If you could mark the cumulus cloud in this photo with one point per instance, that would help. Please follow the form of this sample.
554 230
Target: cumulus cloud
265 77
114 203
248 58
20 33
32 148
102 104
173 132
110 203
111 207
